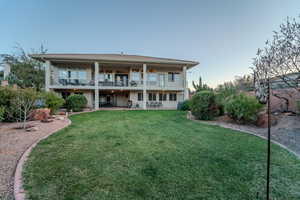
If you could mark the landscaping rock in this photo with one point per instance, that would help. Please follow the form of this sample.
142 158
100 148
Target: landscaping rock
40 114
262 120
31 129
60 118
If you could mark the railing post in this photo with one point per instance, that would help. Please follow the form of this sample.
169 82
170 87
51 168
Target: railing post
6 70
96 75
144 86
47 75
186 93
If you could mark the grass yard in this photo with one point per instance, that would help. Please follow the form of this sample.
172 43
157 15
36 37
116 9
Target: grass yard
155 155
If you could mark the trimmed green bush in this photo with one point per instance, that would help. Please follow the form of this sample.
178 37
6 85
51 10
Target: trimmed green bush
243 108
76 102
7 94
184 105
2 112
52 101
203 105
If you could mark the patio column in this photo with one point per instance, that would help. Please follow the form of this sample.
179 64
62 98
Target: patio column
96 75
6 70
144 86
185 85
47 75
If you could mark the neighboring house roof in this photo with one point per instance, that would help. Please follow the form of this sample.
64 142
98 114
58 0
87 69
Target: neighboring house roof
114 58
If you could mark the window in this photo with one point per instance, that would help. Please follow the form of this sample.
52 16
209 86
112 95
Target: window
172 97
152 96
162 97
152 77
140 96
172 76
101 77
63 74
82 74
135 76
73 74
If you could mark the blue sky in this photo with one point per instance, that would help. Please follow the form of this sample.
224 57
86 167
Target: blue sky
222 35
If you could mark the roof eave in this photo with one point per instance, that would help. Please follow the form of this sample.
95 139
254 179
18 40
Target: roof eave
42 58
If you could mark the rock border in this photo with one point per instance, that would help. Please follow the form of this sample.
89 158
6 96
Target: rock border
192 118
18 189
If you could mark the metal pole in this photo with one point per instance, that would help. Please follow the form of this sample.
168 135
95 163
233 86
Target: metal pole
269 142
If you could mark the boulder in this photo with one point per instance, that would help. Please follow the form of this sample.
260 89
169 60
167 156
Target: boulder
30 129
41 114
262 120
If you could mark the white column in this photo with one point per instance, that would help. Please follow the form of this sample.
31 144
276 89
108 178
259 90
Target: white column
185 85
96 75
6 70
144 86
47 75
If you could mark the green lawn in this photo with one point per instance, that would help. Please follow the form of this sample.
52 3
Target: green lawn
155 155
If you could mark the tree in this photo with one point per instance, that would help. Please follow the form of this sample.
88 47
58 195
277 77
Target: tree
25 71
23 104
200 86
279 59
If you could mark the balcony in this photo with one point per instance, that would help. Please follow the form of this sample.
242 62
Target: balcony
72 83
123 83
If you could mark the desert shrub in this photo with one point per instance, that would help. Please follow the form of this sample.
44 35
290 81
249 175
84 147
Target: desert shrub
243 108
2 112
76 102
184 105
223 93
7 94
23 104
52 101
203 105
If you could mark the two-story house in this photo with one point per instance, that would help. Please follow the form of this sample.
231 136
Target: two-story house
109 80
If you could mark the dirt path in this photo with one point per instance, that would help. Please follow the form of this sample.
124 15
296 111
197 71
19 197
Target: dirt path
13 142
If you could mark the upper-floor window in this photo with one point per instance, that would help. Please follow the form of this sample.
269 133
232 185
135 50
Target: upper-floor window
152 96
63 74
152 77
105 77
81 74
172 97
172 76
135 76
72 74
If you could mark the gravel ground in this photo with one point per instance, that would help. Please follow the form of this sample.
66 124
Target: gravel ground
285 132
13 142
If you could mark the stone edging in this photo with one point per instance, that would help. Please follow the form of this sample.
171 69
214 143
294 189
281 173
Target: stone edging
19 192
190 117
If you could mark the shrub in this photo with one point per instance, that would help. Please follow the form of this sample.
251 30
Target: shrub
23 104
184 105
243 108
203 105
76 102
52 101
223 93
298 106
7 94
2 112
